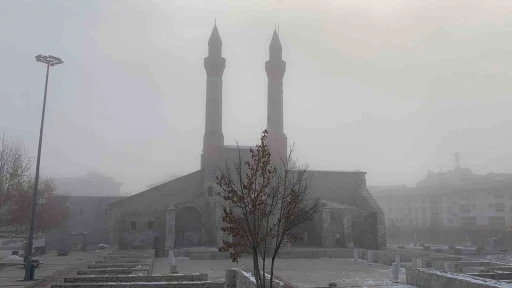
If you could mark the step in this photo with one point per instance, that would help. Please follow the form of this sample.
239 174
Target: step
113 271
134 251
118 265
134 256
201 284
121 260
138 278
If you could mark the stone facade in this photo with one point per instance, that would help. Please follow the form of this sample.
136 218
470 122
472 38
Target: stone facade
186 212
86 213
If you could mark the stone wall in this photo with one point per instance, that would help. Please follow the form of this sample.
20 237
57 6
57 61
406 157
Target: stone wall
238 278
349 189
430 278
150 206
86 213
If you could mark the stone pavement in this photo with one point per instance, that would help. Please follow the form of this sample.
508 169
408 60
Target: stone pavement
132 268
300 272
52 268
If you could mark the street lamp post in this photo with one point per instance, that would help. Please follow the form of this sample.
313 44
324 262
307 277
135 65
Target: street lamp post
49 61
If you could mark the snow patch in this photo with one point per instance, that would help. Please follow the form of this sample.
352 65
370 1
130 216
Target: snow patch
465 277
12 258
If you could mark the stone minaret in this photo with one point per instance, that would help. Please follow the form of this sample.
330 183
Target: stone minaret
214 65
275 68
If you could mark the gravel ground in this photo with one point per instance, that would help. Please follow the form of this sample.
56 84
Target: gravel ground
300 272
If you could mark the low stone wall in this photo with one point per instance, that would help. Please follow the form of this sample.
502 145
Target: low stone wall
128 256
142 285
123 261
430 278
138 278
493 275
118 265
316 253
150 251
387 256
238 278
114 271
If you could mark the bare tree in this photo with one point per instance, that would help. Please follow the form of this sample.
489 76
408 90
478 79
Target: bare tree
16 192
265 203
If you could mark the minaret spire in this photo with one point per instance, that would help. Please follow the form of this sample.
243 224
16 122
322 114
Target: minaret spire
275 68
214 65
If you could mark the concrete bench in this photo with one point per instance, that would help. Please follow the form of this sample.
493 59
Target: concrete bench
138 278
202 284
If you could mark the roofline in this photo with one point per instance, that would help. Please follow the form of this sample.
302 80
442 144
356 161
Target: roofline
339 171
147 190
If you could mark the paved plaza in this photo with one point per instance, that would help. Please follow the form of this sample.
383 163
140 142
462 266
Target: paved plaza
52 268
300 272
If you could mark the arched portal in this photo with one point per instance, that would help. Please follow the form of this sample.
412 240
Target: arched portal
188 227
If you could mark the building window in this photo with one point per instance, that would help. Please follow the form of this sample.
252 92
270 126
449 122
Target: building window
81 211
133 225
497 222
468 221
473 206
464 208
450 221
424 221
510 209
150 225
499 207
498 195
210 191
491 205
424 210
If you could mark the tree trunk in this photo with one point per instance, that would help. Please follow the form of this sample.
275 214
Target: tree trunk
256 272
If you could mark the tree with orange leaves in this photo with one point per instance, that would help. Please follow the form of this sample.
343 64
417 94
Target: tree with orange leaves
265 202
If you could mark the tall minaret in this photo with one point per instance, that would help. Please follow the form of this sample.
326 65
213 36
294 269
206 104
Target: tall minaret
214 65
275 68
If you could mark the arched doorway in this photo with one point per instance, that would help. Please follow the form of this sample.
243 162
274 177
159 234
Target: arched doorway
188 227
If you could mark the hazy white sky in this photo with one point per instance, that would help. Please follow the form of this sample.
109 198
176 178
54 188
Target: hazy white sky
390 87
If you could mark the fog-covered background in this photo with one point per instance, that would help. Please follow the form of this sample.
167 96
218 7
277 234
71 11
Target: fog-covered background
390 87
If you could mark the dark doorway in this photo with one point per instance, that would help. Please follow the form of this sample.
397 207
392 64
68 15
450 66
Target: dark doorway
158 245
188 227
364 231
309 234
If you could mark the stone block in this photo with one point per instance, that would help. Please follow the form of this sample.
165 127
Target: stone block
113 271
203 284
137 278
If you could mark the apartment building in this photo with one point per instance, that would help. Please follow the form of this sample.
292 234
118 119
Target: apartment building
456 198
